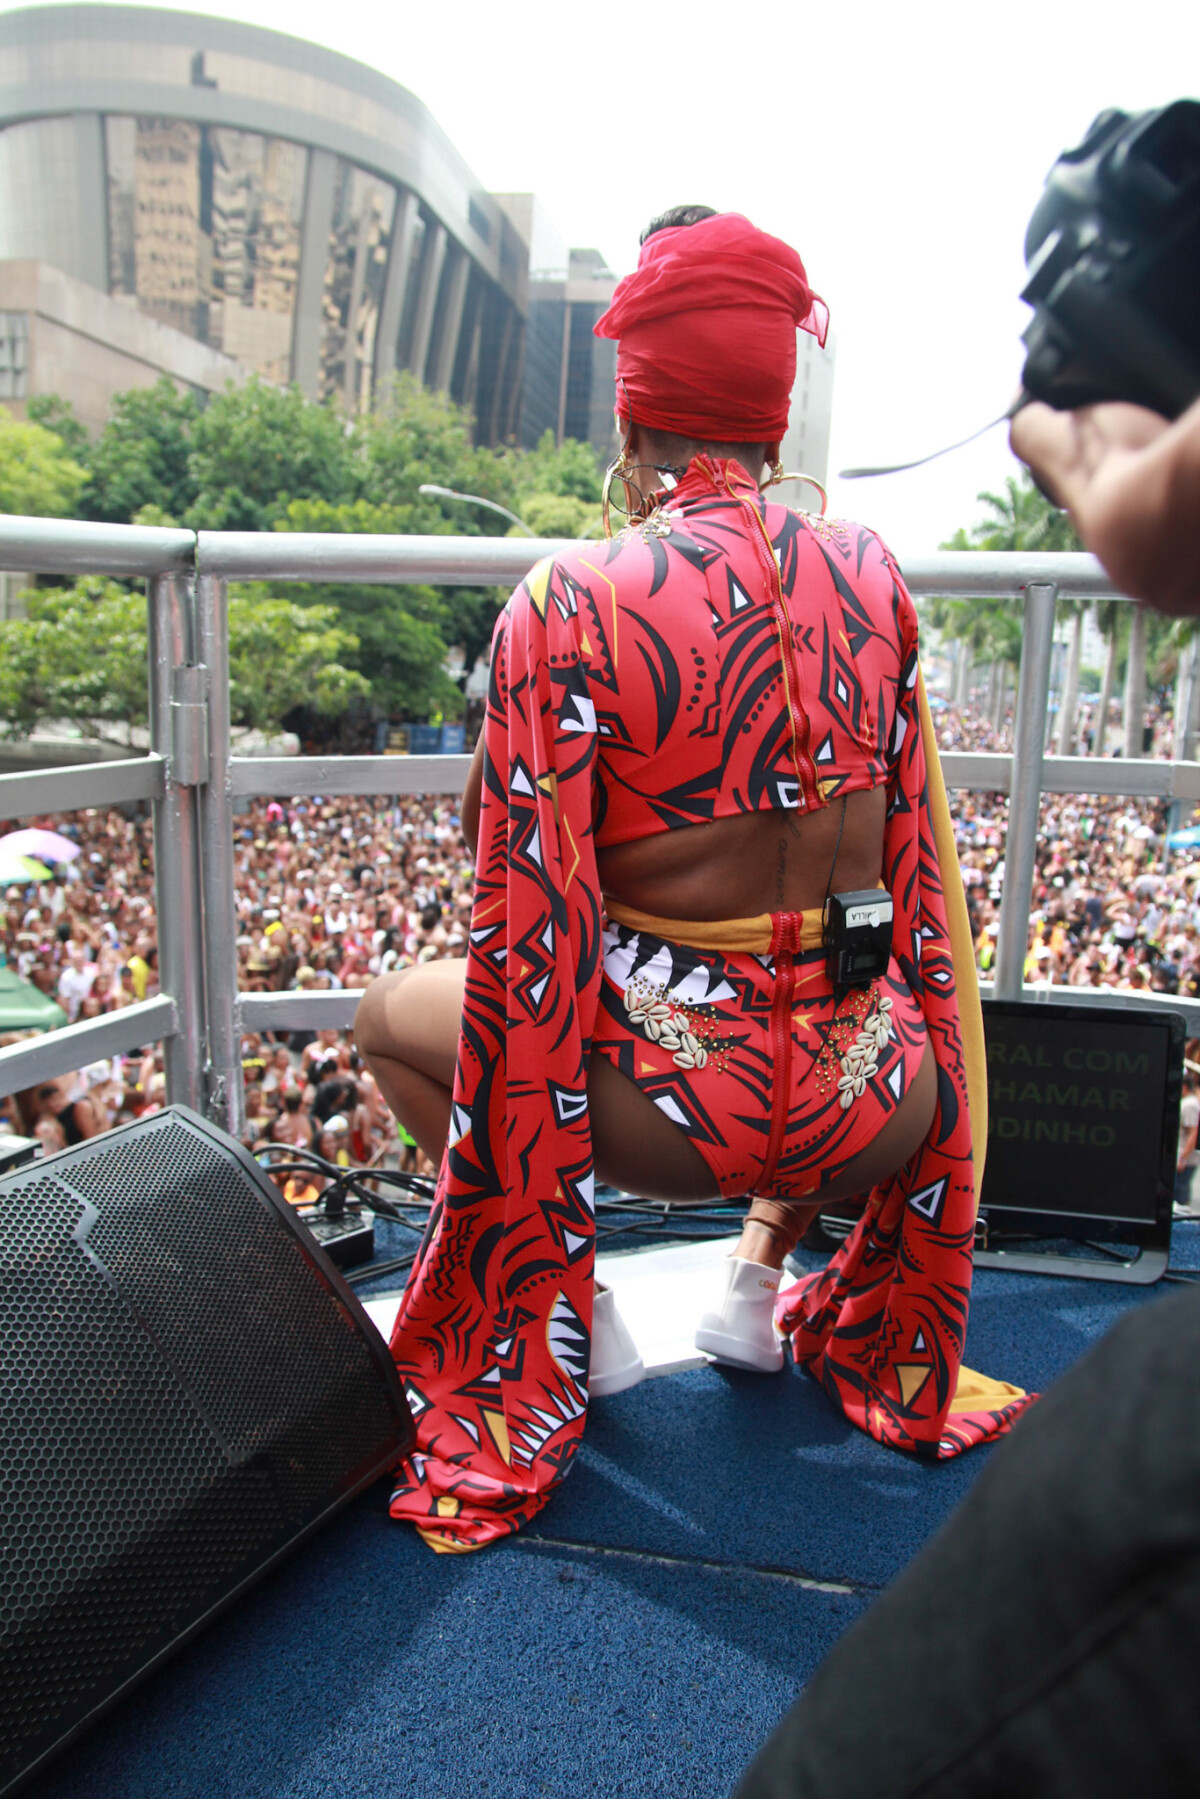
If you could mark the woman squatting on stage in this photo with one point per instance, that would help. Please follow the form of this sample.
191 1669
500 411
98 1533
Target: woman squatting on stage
699 734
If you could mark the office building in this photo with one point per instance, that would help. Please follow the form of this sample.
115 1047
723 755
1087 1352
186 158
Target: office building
59 336
806 446
286 212
567 387
281 205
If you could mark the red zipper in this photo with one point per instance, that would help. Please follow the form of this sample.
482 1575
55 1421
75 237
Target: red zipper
784 947
806 768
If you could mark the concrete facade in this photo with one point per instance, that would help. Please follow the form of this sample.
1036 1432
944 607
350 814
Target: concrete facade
88 347
274 201
806 446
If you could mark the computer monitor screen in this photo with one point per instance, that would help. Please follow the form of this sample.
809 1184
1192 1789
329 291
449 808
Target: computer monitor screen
1083 1114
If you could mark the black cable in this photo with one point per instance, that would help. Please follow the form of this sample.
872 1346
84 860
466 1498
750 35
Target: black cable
664 1220
899 468
376 1270
837 846
423 1184
1104 1249
309 1158
345 1180
658 1232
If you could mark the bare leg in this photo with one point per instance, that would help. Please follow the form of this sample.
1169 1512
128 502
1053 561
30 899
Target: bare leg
639 1149
406 1029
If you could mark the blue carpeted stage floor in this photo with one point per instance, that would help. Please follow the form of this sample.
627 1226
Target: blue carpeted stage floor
718 1533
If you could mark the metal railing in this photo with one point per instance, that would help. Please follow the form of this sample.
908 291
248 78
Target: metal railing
192 779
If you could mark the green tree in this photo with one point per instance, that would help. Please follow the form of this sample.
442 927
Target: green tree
560 515
261 458
140 462
256 448
990 631
59 416
1021 518
37 477
571 469
416 438
283 655
402 633
80 655
1111 615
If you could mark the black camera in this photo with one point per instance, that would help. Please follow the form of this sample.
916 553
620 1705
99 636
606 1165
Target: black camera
1113 252
858 937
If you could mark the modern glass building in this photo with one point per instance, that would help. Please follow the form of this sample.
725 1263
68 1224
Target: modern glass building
276 202
569 375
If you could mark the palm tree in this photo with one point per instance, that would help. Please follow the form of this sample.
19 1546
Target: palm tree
1186 635
957 622
1110 615
1135 684
1022 518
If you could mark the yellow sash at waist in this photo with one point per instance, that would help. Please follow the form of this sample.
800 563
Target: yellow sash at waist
750 936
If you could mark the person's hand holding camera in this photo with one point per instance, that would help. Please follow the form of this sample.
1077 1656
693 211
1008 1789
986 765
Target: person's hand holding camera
1131 482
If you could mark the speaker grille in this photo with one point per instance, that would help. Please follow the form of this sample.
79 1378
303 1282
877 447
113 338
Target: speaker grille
184 1388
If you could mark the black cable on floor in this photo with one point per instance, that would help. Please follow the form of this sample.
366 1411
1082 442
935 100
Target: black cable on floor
358 1277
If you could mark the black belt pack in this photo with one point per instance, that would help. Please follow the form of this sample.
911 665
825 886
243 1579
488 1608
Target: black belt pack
858 937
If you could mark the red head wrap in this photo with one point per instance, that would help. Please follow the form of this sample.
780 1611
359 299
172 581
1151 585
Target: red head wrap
707 328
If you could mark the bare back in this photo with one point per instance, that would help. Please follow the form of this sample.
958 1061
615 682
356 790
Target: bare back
757 862
734 867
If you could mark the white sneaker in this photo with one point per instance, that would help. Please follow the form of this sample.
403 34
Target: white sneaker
742 1329
616 1363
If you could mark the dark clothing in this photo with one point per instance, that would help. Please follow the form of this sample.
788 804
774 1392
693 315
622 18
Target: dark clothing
338 1094
1044 1643
69 1119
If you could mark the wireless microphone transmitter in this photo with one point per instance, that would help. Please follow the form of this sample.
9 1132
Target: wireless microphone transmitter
858 937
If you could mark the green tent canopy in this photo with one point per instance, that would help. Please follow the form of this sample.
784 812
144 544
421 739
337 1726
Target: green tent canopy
24 1008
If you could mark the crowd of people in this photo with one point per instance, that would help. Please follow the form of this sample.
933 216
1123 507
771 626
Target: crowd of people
1113 905
329 893
332 892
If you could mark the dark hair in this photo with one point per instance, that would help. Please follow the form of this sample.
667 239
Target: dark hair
676 216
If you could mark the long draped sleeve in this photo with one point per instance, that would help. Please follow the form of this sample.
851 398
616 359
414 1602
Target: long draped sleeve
493 1334
883 1326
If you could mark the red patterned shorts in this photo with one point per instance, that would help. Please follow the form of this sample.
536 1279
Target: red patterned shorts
778 1081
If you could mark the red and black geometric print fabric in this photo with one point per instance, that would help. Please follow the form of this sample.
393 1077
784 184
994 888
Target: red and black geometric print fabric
884 1325
810 689
699 714
725 1101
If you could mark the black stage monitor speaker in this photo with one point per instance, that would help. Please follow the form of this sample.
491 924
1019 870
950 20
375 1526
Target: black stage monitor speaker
188 1389
1083 1124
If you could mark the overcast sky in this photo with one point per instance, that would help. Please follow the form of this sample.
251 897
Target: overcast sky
900 149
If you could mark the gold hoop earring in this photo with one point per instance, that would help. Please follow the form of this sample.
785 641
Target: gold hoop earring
776 474
616 471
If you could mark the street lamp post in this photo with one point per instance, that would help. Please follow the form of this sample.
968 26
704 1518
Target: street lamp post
474 499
